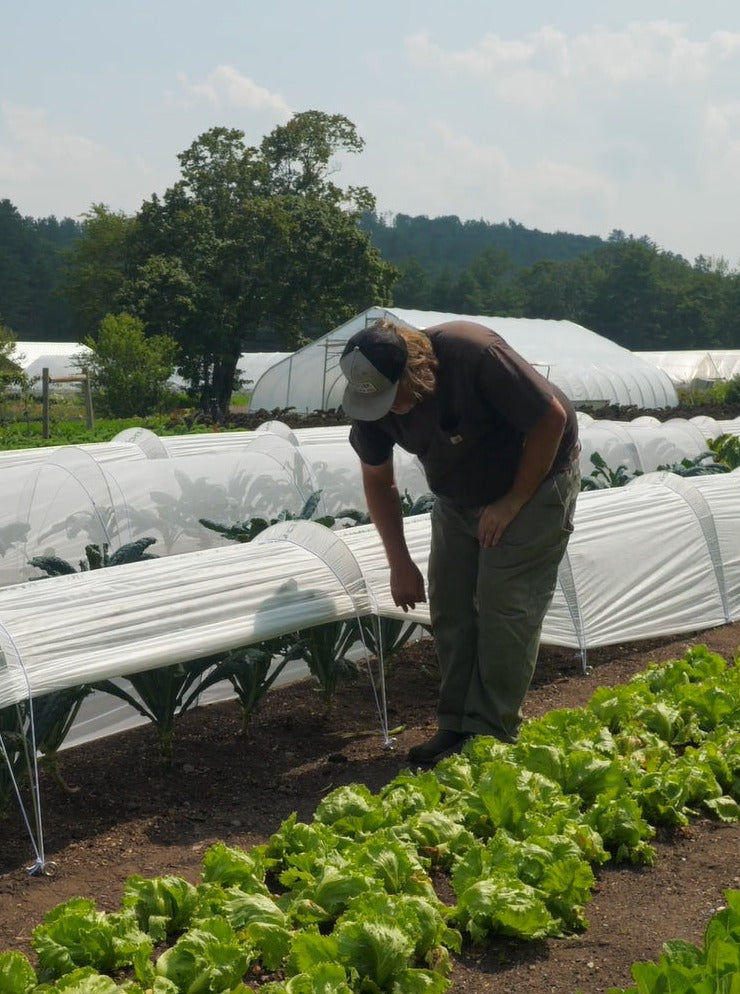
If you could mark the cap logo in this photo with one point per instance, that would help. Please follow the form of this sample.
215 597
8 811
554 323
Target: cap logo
365 386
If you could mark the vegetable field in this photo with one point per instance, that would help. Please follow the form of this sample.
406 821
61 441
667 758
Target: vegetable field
127 816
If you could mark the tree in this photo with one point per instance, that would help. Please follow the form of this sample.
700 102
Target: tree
11 371
30 268
9 358
95 267
413 288
129 372
629 299
254 241
557 290
300 158
442 296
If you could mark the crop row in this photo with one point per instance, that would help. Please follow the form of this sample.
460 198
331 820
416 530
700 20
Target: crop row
347 902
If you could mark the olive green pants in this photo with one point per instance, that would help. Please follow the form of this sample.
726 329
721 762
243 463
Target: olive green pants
487 605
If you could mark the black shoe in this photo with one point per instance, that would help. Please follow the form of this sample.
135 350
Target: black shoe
443 743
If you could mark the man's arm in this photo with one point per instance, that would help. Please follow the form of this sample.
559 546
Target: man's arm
540 448
384 505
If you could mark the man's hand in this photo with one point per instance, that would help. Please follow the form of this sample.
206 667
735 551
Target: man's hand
407 585
495 518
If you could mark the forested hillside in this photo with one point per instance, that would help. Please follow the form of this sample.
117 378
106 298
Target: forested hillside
31 259
625 288
447 243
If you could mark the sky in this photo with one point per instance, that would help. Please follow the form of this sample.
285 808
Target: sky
583 117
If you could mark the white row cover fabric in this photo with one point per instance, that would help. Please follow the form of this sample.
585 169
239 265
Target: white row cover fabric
658 557
646 444
58 506
67 630
696 367
589 368
57 501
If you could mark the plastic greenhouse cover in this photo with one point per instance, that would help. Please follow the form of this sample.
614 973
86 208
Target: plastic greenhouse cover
588 367
659 556
696 365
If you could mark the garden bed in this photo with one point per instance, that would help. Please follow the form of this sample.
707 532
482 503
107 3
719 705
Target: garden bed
128 814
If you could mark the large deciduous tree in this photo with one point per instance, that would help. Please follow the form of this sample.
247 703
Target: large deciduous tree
252 241
95 267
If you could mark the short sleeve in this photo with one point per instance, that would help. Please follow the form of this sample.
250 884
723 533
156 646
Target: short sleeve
373 445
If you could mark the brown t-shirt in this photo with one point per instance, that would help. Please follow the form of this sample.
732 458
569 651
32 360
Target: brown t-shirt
469 435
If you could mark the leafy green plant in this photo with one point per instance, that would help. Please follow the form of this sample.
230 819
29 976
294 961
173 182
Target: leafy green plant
705 464
603 477
96 557
162 905
252 670
75 934
160 694
37 726
726 450
53 716
15 752
416 505
384 636
17 976
409 507
712 968
324 648
346 902
722 457
245 531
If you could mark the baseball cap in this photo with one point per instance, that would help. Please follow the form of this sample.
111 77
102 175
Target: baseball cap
373 362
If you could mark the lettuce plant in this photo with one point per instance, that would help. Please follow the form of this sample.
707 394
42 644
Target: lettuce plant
17 976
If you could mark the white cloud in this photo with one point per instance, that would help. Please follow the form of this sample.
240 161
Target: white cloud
522 72
45 170
453 173
540 69
722 130
227 88
34 144
545 184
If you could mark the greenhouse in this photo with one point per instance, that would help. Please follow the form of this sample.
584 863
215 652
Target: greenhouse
250 367
590 369
60 359
57 357
696 368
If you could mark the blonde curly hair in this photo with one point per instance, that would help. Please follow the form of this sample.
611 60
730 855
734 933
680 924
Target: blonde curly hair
419 375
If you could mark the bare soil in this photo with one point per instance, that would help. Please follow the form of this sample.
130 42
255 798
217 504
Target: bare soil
130 814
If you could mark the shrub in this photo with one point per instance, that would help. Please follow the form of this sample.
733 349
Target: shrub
129 371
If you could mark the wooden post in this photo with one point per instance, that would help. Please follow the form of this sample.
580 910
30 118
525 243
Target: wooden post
83 378
45 402
88 403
